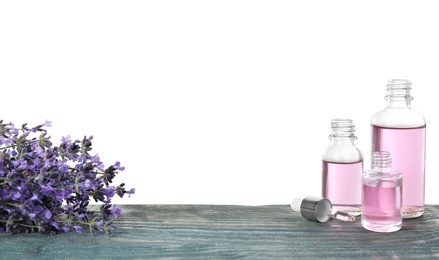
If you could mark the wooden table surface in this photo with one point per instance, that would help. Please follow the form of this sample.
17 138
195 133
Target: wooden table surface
230 232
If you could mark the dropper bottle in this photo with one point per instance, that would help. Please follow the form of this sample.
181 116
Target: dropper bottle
319 209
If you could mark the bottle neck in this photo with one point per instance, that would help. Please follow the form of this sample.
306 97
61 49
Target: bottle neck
398 93
382 161
343 130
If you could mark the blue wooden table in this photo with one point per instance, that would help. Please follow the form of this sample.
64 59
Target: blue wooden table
226 232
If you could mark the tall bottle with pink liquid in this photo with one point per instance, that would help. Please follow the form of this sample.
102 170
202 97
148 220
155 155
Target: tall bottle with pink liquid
342 168
400 131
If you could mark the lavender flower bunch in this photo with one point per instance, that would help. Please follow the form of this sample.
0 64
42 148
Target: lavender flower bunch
47 189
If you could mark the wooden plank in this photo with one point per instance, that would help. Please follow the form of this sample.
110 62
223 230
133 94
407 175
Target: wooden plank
223 232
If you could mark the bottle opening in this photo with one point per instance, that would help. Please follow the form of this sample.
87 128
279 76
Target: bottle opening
381 159
399 84
342 127
399 90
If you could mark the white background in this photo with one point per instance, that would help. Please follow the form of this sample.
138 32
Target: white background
216 102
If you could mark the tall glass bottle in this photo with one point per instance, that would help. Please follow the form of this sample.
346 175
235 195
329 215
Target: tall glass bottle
342 168
401 131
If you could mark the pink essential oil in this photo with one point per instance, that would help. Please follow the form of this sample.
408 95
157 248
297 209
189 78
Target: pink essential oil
401 131
342 185
342 168
407 148
381 202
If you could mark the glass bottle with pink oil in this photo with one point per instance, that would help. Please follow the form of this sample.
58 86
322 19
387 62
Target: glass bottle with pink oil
342 168
401 131
382 194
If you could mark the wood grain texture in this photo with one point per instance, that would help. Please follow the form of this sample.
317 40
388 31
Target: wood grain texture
229 232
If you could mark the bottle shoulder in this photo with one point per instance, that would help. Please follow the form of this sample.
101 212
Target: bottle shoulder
342 153
375 173
398 117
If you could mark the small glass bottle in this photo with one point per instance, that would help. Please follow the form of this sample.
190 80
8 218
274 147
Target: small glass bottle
342 168
401 131
382 195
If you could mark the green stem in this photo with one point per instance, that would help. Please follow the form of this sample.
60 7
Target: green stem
24 225
21 224
11 146
15 205
76 222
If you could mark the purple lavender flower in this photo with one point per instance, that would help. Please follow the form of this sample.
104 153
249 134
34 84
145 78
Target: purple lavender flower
65 228
121 191
6 141
46 188
66 140
87 184
116 211
78 228
97 161
47 123
109 192
47 214
117 165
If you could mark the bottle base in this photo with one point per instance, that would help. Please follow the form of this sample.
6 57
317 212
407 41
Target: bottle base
412 212
381 227
354 210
